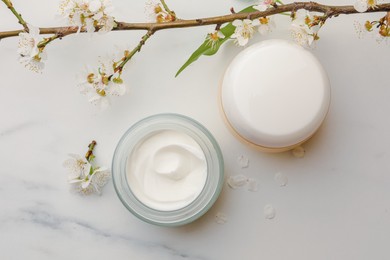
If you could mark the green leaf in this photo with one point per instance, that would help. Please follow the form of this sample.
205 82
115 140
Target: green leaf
207 49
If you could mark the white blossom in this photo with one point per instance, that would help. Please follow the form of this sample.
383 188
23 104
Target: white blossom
156 12
266 25
264 5
108 24
92 183
303 32
84 178
363 5
214 37
89 14
153 9
29 53
101 84
244 30
99 178
78 167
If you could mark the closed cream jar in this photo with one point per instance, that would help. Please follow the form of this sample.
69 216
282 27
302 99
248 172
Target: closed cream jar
168 170
275 95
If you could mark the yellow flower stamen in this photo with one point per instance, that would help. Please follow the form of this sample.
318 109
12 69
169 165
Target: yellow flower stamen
368 26
117 80
372 3
90 78
105 80
264 20
157 9
307 20
101 92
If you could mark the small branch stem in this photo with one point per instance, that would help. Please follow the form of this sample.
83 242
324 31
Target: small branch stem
165 6
62 32
144 38
10 6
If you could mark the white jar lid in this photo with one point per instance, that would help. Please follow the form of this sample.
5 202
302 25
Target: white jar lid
275 94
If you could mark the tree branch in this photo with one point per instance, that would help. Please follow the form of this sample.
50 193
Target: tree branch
8 3
327 10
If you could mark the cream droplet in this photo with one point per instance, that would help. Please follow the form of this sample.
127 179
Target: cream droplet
281 179
237 181
253 185
243 161
221 218
269 211
298 152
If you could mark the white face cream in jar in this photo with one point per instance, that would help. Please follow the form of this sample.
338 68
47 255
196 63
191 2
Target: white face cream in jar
275 95
168 170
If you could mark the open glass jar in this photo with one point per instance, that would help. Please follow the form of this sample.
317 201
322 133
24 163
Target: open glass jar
136 139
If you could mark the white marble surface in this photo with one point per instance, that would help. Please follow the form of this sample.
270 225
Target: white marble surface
335 206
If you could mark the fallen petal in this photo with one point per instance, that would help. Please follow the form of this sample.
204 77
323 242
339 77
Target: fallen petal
237 181
269 211
221 218
281 179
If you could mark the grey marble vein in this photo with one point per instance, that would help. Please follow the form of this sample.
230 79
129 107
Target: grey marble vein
46 219
17 128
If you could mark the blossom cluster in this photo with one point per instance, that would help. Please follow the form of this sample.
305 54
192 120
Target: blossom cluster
30 54
381 26
304 27
101 84
90 14
156 12
245 29
85 178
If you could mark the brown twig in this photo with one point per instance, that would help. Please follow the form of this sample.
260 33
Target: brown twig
327 10
18 16
128 56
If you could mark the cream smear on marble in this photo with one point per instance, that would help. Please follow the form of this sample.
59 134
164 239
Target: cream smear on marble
167 170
